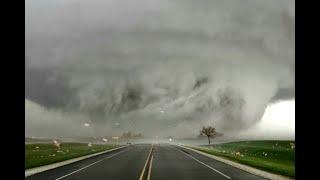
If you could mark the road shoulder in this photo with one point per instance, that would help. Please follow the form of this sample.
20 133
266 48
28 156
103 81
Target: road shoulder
243 167
40 169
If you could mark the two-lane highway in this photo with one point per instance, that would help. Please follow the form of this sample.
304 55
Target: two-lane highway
173 162
166 162
126 163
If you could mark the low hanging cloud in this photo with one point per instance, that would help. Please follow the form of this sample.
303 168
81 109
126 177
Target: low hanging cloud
43 122
160 67
276 123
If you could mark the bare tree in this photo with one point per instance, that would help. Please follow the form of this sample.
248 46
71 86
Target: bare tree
209 131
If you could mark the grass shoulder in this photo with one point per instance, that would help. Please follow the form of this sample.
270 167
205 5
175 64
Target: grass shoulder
43 154
272 156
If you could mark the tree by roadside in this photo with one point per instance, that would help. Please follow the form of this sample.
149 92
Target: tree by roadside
209 131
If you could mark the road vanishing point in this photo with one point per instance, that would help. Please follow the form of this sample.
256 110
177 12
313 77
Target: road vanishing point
146 162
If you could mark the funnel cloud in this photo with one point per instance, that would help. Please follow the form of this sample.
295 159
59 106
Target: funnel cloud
155 67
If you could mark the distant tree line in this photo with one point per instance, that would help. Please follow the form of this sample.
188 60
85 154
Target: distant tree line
130 135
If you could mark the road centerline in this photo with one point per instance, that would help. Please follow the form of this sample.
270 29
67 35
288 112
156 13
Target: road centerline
150 167
146 163
108 157
224 175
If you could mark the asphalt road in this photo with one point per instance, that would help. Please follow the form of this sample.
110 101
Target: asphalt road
167 162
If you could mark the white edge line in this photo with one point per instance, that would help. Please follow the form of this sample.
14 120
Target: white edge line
206 165
36 170
90 165
79 170
243 167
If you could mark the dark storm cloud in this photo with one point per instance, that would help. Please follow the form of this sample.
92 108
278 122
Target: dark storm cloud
284 94
44 86
160 66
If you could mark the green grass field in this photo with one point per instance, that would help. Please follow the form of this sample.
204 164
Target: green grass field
43 154
273 156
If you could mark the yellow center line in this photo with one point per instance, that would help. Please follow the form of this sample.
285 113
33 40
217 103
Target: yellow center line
145 165
150 167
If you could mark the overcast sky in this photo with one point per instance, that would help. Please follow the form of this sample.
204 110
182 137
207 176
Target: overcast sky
156 67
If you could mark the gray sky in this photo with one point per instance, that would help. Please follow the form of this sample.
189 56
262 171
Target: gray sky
155 67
